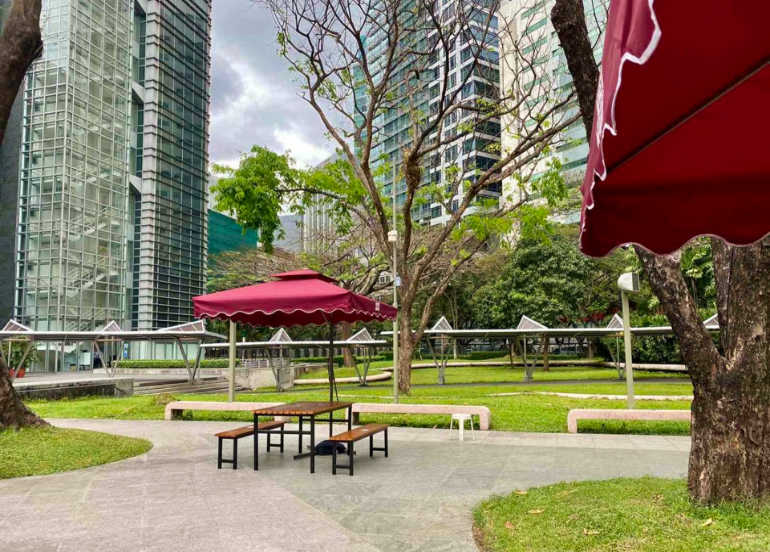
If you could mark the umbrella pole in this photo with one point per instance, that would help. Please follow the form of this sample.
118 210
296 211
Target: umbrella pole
332 382
231 363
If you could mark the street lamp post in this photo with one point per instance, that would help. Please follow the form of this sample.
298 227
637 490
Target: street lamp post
628 283
393 238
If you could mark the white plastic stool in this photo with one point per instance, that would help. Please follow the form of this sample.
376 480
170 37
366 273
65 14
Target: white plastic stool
460 419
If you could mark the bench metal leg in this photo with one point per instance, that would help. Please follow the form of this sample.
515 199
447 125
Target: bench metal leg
233 460
256 443
312 444
299 437
334 461
386 442
281 439
371 445
350 457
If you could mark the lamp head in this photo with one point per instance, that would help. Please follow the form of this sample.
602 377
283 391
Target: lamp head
629 282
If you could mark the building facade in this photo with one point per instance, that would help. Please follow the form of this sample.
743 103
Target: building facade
109 139
528 33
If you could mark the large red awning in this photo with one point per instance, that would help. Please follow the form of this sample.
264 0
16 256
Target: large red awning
294 298
680 144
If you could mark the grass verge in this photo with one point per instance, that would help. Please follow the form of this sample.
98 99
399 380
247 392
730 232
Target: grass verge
40 451
509 413
640 515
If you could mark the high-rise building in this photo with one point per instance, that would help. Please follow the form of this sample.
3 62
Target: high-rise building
105 159
467 155
528 34
169 133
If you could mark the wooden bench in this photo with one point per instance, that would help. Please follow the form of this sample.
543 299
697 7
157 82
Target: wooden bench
404 408
235 434
357 434
619 414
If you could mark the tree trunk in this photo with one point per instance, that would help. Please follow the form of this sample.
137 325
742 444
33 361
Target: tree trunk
13 413
730 453
405 350
20 44
346 329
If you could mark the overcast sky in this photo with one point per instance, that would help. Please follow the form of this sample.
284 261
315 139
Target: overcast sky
253 97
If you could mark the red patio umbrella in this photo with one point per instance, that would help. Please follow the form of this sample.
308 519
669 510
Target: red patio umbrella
295 298
679 146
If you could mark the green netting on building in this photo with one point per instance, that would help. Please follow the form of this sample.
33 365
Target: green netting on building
227 235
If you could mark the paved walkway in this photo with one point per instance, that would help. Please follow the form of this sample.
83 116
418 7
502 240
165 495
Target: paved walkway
420 498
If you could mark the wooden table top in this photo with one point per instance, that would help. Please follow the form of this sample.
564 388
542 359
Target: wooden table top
302 408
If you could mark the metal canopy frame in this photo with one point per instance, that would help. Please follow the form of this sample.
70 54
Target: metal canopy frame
528 328
190 332
281 340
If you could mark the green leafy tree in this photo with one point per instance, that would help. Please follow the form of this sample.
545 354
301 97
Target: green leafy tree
551 281
256 191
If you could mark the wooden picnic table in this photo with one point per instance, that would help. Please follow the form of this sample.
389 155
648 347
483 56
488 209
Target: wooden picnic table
304 411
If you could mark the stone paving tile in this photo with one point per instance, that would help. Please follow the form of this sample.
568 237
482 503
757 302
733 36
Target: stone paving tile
418 499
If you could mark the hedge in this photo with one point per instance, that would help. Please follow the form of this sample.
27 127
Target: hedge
338 359
205 363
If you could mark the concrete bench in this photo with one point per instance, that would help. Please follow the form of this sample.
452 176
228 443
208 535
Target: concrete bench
619 414
403 408
175 409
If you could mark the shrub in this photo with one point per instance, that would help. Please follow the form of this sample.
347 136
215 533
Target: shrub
484 355
663 349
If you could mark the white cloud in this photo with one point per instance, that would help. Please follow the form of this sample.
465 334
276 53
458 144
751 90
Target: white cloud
306 153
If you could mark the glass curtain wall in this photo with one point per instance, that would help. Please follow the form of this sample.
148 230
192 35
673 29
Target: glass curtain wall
71 256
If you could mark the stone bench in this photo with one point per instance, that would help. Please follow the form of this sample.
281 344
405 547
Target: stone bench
175 409
404 408
620 414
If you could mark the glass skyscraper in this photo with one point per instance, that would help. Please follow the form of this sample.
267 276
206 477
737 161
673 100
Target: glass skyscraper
169 145
112 135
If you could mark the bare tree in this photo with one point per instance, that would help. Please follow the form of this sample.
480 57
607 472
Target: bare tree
20 44
730 453
421 79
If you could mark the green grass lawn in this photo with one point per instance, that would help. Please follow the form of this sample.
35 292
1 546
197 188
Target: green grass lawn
509 413
39 451
639 515
494 374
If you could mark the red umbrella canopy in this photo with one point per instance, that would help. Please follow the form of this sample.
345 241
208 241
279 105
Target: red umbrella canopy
679 146
294 298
